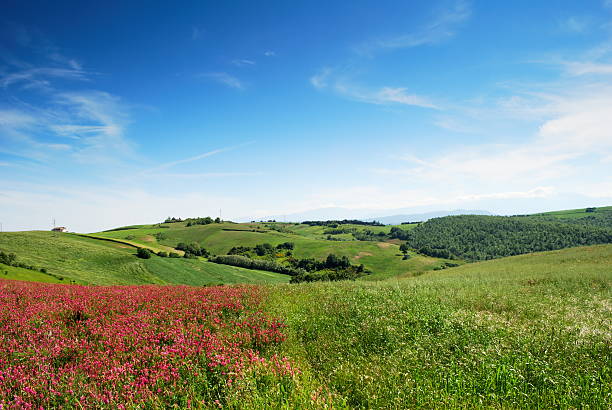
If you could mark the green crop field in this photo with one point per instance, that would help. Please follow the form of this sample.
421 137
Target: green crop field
91 261
524 331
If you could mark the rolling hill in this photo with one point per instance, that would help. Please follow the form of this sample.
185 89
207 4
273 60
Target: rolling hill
85 260
382 258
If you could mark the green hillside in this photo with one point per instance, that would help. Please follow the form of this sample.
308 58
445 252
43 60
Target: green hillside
529 331
91 261
383 259
17 273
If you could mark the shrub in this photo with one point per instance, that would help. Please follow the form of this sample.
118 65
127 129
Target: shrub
163 254
143 253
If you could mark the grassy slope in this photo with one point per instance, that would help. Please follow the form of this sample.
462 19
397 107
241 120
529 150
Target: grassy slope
91 261
525 331
575 213
15 273
383 259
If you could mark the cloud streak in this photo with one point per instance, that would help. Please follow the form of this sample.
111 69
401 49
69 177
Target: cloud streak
442 27
326 79
225 79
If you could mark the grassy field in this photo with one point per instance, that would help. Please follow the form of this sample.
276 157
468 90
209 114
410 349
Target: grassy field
524 331
16 273
91 261
383 259
576 213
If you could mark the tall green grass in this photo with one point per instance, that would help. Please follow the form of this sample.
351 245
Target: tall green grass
526 331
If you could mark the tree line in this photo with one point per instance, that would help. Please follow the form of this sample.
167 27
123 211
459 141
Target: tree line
194 221
481 237
336 223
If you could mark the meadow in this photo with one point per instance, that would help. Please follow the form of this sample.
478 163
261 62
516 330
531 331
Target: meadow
524 331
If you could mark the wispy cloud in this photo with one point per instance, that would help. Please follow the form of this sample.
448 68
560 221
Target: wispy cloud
198 157
225 79
206 175
243 62
578 68
40 77
320 79
326 79
269 53
443 26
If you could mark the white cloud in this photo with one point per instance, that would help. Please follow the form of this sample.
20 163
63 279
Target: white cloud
578 68
443 26
326 78
243 62
40 77
225 79
320 79
269 53
155 170
400 96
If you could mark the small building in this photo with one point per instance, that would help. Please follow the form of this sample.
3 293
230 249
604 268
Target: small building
60 229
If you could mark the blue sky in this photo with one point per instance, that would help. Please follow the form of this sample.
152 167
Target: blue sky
124 113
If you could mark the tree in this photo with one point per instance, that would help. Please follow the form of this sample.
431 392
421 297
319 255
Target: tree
143 253
404 248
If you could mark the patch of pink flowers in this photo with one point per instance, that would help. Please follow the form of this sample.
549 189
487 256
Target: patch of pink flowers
129 345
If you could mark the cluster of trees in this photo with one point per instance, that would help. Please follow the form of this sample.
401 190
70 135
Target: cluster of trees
398 233
333 268
10 259
302 270
192 250
368 235
336 223
165 254
338 231
250 263
480 237
331 262
194 221
202 221
262 249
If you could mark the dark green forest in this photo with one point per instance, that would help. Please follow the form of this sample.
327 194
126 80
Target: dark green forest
480 237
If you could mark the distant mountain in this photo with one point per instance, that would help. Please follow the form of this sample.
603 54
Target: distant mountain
398 219
391 216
